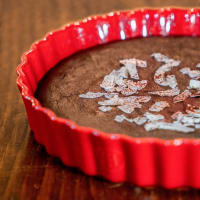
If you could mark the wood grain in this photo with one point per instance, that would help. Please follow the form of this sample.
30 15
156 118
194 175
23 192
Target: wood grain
26 171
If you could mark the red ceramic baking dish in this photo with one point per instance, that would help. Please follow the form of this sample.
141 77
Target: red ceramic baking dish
118 158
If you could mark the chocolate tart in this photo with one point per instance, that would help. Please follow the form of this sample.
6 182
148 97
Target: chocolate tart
91 142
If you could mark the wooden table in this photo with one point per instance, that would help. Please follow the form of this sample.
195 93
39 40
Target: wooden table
26 171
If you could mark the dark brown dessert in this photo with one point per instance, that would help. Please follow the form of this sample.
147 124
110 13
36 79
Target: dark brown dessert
59 90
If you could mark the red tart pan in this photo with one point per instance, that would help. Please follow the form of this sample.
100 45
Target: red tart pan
116 157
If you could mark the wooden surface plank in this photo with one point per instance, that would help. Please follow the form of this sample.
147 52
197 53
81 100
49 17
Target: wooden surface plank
26 171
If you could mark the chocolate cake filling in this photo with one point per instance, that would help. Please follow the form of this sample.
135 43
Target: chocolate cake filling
59 90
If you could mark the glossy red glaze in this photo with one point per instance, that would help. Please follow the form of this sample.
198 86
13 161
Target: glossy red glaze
141 161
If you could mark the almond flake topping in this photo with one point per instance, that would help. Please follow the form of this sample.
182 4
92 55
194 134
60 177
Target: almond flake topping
164 59
143 99
139 85
152 117
105 108
160 78
189 119
114 101
120 87
160 57
127 91
167 126
195 113
91 95
194 84
195 74
119 118
139 120
131 65
129 108
181 97
139 63
177 116
158 106
166 93
131 87
108 82
110 95
126 104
